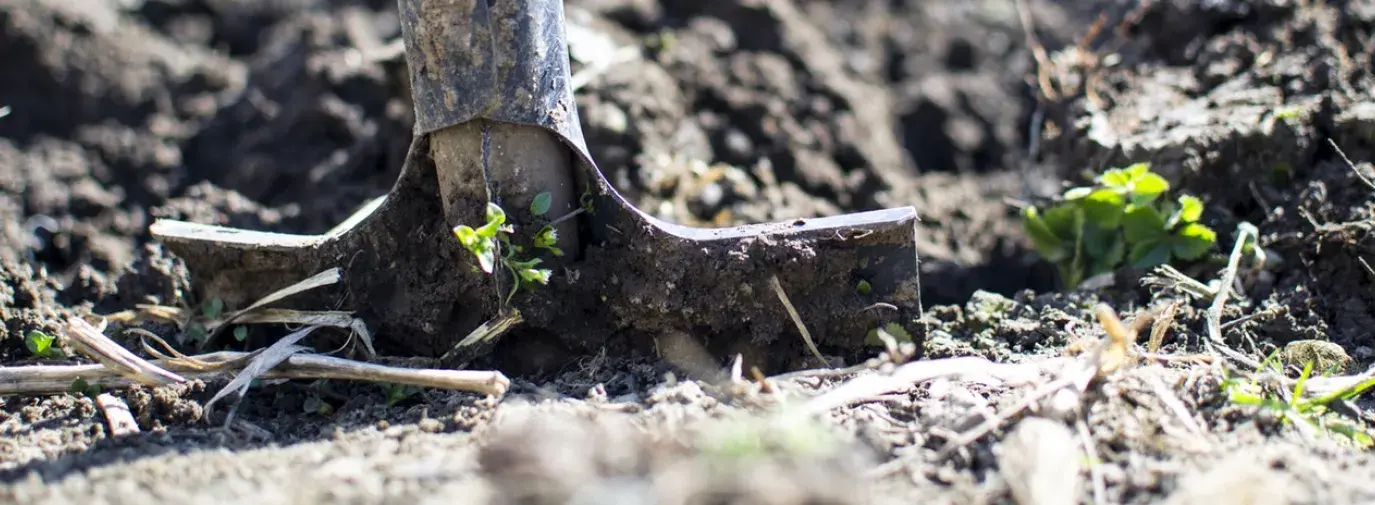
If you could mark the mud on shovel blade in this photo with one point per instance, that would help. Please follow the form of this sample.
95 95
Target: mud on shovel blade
496 121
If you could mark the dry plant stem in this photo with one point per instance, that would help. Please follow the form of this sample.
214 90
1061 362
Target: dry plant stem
89 340
869 386
1351 165
1229 277
797 320
57 379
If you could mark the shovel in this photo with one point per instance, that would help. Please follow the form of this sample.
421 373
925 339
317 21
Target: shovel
570 263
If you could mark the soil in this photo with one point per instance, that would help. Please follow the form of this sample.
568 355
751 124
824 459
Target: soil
284 116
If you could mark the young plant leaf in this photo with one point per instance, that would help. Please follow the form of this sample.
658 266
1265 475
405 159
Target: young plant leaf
1190 209
1193 241
1142 223
1148 187
241 333
495 214
1137 170
537 275
212 308
1103 208
1105 248
1115 178
546 238
40 344
540 205
1149 254
1042 237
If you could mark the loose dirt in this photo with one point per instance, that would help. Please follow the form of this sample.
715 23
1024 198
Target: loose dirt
287 116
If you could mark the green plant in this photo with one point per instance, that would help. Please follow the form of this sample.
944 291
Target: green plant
41 345
80 386
1312 415
1123 218
396 393
491 243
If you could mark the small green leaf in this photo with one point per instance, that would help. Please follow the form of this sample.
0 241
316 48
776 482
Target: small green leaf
864 288
1190 209
540 205
212 308
539 275
495 214
466 236
1103 208
1149 254
1105 248
1064 220
546 237
1136 170
486 258
40 344
241 333
1193 241
1042 238
1147 188
1115 178
1142 223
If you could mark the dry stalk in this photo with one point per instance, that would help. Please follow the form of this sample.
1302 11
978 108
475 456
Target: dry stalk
90 341
1229 277
31 380
797 320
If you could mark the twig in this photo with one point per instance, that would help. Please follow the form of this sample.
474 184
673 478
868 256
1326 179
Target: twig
1360 176
797 320
89 340
57 379
1229 276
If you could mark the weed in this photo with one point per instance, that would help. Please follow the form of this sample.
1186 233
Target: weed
488 242
211 310
41 345
1312 415
396 393
81 387
864 288
1122 219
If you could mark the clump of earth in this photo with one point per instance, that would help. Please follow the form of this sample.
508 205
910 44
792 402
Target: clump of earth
288 116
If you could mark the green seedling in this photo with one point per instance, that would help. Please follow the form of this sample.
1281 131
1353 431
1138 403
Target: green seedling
1312 415
397 393
41 345
81 387
892 330
1122 219
864 288
487 242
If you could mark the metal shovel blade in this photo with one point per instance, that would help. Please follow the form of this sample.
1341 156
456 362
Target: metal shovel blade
496 122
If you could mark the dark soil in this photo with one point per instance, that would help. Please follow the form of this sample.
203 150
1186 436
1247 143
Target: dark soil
284 116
